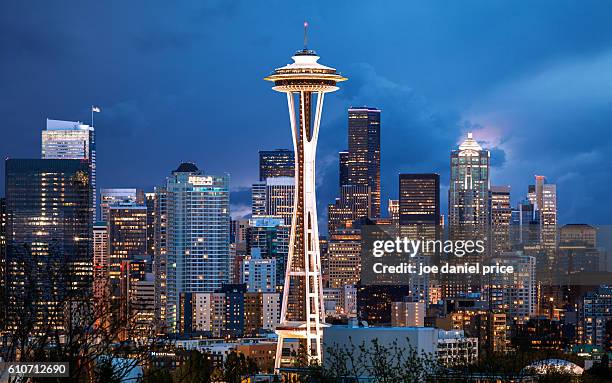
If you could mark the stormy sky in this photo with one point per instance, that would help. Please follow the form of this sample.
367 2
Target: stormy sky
184 82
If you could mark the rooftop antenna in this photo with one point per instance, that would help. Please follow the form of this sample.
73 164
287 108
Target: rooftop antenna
305 35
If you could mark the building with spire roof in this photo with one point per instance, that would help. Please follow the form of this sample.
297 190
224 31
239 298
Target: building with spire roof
468 201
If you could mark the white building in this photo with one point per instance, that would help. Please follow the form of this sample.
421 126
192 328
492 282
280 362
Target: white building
450 347
198 237
72 140
209 313
259 274
455 349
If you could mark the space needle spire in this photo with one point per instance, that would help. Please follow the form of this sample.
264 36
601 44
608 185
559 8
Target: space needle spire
305 83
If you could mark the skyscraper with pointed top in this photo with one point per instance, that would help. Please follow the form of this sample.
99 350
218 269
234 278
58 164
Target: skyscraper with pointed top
468 204
305 83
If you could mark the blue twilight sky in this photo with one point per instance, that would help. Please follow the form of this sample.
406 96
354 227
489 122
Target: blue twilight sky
184 82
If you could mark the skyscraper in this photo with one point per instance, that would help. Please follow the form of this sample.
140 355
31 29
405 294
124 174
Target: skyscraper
160 256
127 237
501 214
302 313
419 218
70 140
419 199
150 204
198 224
468 205
548 217
3 259
101 263
525 225
274 196
276 163
343 164
468 192
363 159
49 239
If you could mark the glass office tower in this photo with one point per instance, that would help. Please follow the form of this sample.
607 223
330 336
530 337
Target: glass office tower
49 239
70 140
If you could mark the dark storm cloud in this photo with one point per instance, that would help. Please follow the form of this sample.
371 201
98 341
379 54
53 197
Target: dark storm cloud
184 81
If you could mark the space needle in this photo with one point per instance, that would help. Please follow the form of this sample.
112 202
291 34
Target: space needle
302 312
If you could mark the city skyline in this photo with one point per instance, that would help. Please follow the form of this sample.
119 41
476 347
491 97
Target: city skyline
428 103
437 228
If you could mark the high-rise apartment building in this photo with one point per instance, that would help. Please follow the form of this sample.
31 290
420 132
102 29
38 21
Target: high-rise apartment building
70 140
363 159
259 274
513 293
595 315
276 163
49 239
198 225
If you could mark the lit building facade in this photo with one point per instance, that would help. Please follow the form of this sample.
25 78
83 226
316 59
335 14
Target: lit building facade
127 237
595 315
101 263
468 206
419 218
363 167
115 196
514 293
70 140
49 234
501 215
197 238
408 314
276 163
258 274
343 261
355 203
